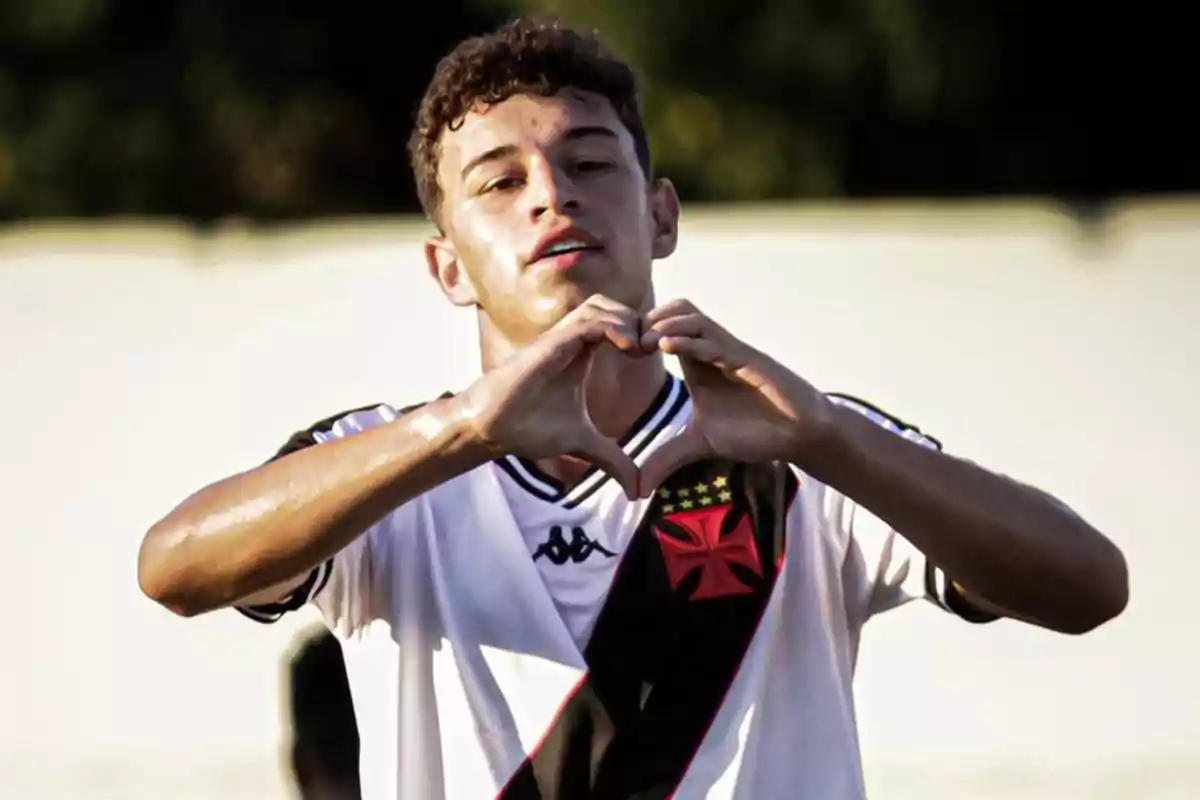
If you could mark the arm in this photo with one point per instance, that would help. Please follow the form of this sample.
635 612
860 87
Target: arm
254 537
1012 549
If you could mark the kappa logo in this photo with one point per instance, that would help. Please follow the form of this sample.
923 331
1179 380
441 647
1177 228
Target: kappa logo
695 539
559 551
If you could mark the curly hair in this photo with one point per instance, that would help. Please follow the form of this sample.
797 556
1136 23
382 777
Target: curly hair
526 56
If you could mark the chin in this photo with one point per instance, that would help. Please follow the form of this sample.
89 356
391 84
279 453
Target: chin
552 310
564 296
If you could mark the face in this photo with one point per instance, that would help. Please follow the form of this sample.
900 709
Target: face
545 204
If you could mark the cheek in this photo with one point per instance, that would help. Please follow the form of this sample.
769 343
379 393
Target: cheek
637 233
636 220
490 239
490 259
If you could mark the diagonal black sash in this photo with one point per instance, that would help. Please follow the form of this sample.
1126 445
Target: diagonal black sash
685 603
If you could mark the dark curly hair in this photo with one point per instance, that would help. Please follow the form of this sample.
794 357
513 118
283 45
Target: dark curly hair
526 56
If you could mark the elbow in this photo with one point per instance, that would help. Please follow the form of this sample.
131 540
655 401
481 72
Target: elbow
160 575
1107 593
1115 597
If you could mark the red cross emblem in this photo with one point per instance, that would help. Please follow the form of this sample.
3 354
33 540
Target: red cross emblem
705 549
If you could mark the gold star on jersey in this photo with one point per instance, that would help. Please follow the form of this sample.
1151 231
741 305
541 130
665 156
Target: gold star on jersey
704 494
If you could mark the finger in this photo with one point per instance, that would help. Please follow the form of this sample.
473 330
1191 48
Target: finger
674 308
598 326
574 345
611 459
608 304
623 334
704 350
686 448
627 322
693 325
612 308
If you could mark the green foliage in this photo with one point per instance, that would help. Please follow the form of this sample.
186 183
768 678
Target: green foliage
210 108
754 99
296 108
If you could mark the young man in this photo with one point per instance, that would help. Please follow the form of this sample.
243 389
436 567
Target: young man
580 576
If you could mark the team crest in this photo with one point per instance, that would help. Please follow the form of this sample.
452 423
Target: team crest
702 530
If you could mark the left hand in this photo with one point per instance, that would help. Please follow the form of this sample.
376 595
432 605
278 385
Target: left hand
745 406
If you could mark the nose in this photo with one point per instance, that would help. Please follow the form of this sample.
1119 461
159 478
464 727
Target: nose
550 189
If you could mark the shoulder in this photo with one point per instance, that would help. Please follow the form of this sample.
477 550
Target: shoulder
347 423
884 419
839 518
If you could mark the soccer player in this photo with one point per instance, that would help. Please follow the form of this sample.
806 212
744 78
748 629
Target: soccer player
580 576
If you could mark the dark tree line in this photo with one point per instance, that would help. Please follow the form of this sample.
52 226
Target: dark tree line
278 109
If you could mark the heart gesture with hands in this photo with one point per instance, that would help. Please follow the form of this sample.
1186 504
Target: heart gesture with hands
746 406
535 404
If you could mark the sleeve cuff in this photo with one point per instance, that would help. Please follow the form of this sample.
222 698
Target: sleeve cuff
302 594
943 592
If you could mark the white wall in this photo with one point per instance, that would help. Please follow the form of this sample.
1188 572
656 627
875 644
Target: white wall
138 363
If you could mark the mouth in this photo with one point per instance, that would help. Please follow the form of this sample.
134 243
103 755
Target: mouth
569 245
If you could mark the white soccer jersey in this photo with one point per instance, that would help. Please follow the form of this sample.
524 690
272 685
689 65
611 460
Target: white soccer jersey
506 638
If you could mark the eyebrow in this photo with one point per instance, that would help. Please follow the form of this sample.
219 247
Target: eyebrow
506 150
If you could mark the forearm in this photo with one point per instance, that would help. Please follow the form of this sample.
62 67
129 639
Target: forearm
264 527
1016 548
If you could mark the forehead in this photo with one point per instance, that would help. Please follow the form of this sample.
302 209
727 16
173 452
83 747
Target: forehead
527 122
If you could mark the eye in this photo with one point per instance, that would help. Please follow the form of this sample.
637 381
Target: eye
501 185
591 165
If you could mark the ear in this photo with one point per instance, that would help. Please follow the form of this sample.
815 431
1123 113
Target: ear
441 258
664 210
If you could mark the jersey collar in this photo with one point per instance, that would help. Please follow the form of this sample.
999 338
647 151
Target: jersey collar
665 407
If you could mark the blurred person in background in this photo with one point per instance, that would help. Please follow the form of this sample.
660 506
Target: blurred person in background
324 747
582 576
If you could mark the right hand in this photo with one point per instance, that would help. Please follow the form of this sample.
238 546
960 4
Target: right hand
535 405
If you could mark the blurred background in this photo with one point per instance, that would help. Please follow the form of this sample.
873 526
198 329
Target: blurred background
210 109
983 216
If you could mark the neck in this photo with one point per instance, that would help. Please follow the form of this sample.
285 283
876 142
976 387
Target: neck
620 388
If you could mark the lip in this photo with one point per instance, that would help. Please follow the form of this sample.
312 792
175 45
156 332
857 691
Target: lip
562 234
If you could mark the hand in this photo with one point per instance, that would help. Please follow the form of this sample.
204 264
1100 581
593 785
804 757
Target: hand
535 405
745 406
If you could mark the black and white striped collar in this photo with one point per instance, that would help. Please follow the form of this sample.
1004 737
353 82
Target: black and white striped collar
665 408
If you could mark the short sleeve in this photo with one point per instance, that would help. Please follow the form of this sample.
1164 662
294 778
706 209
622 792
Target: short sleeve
882 569
346 589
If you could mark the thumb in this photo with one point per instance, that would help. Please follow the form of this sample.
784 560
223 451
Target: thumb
686 448
609 457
